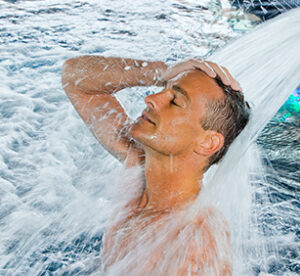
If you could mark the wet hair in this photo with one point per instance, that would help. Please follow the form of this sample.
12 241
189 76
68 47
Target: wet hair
228 116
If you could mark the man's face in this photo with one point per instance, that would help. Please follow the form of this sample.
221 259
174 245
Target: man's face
171 122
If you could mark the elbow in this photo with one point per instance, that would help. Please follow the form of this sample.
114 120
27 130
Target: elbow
68 72
68 64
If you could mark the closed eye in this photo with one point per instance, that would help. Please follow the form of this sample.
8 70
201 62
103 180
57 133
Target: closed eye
173 102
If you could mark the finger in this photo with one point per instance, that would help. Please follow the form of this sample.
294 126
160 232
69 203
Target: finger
206 68
171 73
221 73
234 83
175 70
199 60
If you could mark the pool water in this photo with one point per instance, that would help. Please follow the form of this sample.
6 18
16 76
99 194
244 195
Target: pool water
53 182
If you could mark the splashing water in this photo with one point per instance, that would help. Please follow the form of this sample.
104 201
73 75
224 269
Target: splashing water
267 64
230 185
171 163
55 226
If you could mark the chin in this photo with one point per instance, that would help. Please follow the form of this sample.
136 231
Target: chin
149 138
134 131
138 135
144 138
141 130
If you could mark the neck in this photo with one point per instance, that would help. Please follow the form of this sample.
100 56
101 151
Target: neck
171 181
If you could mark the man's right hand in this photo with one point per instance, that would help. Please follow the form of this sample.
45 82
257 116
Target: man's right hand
210 68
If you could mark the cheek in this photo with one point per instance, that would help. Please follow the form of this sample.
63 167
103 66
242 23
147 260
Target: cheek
168 138
180 128
178 122
176 136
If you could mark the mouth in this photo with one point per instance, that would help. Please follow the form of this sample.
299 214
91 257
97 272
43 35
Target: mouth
147 118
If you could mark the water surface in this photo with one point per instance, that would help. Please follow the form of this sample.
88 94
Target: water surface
52 175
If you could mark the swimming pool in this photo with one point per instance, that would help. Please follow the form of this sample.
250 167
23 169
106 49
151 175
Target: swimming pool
52 173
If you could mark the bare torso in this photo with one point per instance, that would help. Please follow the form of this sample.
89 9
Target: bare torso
124 236
153 233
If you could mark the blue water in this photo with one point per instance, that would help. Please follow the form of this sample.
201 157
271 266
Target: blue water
266 9
50 162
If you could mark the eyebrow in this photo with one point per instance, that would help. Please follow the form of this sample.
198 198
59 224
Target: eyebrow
182 91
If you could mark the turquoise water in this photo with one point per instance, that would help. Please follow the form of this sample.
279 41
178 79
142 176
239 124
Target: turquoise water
291 107
51 170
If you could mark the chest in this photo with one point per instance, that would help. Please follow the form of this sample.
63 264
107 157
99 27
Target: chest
132 235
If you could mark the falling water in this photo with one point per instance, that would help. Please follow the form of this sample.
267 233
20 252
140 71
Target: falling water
57 194
267 64
171 163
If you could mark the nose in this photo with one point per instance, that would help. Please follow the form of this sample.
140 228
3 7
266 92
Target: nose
150 101
155 101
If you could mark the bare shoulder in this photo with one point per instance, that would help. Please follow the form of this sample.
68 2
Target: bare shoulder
213 227
209 248
120 217
212 217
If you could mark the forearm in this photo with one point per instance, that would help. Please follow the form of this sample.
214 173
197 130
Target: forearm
97 74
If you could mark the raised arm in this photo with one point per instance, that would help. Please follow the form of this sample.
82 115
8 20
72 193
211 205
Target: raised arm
90 82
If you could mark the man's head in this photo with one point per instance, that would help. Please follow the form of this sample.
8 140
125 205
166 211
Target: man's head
227 116
192 117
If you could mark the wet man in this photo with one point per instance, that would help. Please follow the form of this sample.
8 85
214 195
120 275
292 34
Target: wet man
192 121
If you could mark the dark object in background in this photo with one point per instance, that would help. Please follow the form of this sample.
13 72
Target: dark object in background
265 9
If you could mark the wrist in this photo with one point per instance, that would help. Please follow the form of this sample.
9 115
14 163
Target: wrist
160 69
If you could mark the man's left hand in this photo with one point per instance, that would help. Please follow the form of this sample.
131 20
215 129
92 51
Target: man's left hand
210 68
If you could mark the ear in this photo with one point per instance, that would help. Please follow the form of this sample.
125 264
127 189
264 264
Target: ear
210 143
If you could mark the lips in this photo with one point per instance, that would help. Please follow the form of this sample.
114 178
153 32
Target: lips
147 118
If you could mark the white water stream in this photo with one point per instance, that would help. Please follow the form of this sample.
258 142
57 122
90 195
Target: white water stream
267 64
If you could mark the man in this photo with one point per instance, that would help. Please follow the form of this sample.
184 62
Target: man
183 131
